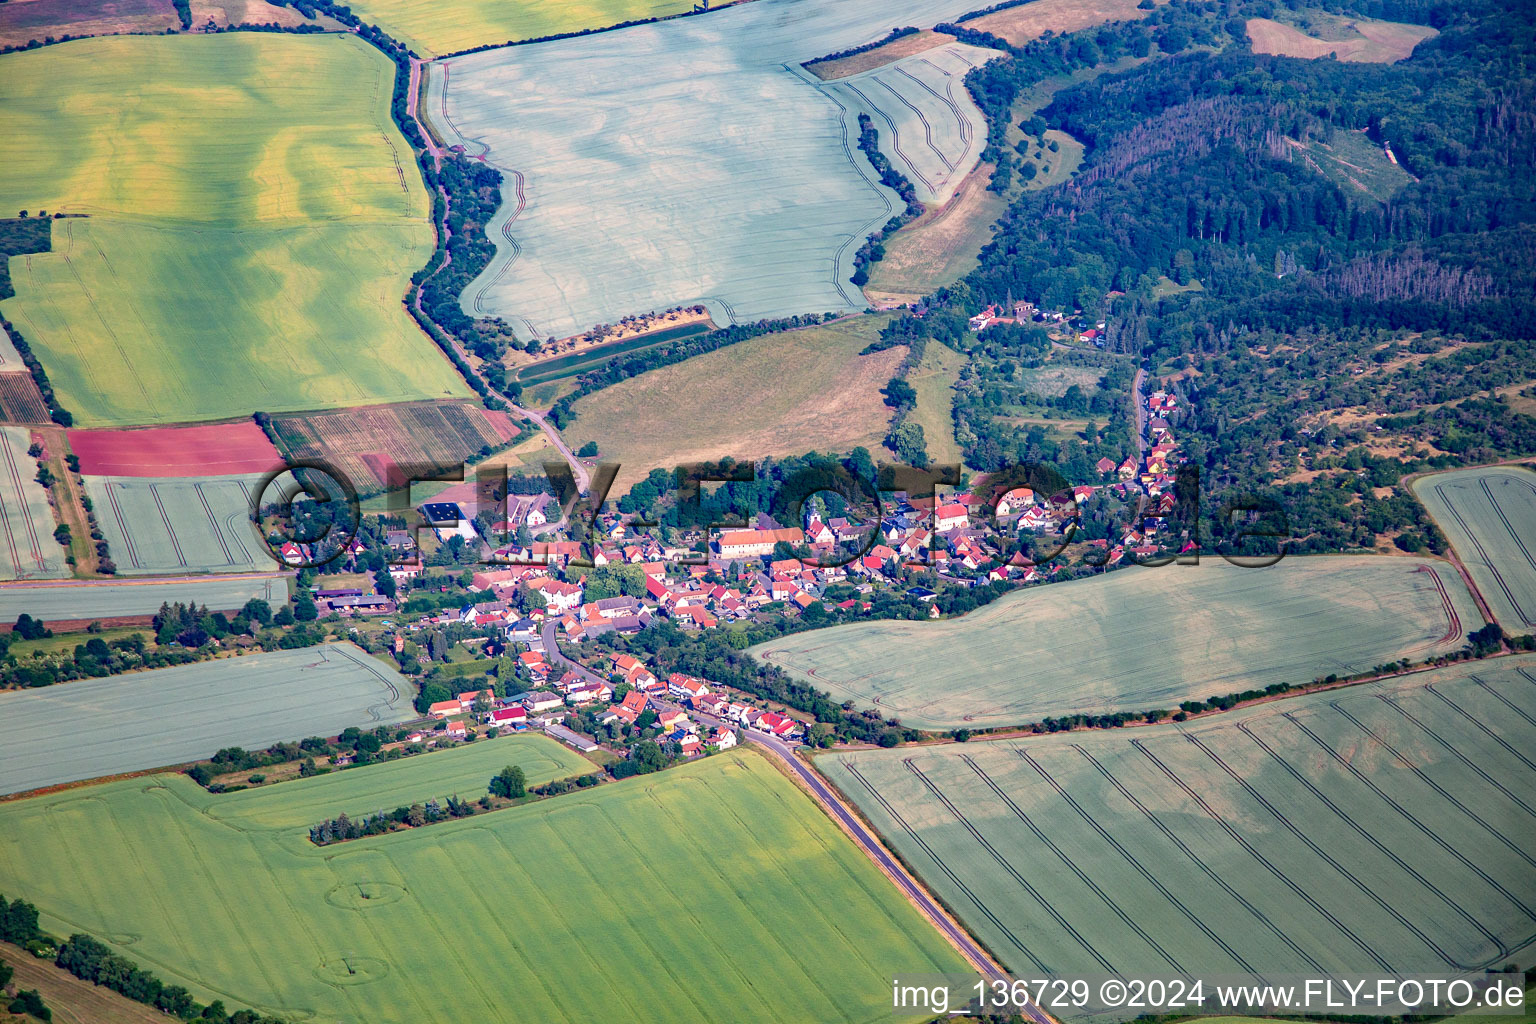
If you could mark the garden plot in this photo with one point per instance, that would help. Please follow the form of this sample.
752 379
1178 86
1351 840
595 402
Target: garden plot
1385 828
690 161
101 600
1139 638
929 126
179 524
1490 517
27 547
94 727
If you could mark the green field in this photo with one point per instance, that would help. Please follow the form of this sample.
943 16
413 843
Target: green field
253 220
27 547
1138 638
435 29
778 394
715 891
1386 828
462 771
104 599
1490 517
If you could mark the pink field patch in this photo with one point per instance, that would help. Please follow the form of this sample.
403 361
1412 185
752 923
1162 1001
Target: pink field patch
501 423
211 449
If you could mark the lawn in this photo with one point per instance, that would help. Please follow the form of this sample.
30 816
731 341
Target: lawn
778 394
253 220
434 29
1138 638
1385 828
712 891
688 162
1489 515
86 729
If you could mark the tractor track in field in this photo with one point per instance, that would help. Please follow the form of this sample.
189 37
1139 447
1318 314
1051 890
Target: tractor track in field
122 525
1284 879
895 135
923 118
976 900
170 531
1067 861
1318 852
1430 689
1454 752
213 521
5 510
1453 620
1377 844
1157 822
1003 862
1099 830
1487 562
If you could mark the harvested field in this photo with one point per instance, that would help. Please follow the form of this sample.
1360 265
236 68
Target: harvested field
930 128
82 602
372 444
777 917
73 1000
879 57
20 401
1020 24
180 524
253 223
743 189
1386 828
27 547
214 449
941 246
433 29
1139 638
22 21
168 716
1489 515
779 394
1363 40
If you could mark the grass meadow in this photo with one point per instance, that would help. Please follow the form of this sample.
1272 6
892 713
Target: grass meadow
1385 828
167 716
252 222
1490 517
714 890
1138 638
934 381
778 394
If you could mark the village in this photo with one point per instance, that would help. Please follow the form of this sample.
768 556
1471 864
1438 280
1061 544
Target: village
824 568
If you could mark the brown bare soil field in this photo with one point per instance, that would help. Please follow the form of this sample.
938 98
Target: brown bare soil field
72 1000
224 13
371 445
201 449
1374 42
24 20
1020 24
941 246
20 401
879 57
780 394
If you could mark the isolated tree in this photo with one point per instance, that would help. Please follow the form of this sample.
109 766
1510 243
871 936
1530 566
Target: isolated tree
509 783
